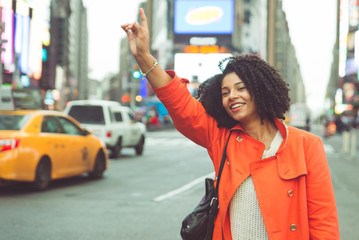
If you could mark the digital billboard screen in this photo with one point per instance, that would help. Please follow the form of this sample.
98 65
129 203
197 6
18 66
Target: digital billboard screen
7 18
211 17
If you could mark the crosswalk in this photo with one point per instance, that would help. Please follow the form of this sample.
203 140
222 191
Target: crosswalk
184 142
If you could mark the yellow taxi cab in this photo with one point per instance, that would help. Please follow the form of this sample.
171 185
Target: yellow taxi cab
41 145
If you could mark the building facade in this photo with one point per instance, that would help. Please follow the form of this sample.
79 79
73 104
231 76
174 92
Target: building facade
258 27
46 48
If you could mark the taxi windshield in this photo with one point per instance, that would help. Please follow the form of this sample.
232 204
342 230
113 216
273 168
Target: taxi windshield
12 121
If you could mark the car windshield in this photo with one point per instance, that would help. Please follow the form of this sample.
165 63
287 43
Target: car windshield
87 114
12 122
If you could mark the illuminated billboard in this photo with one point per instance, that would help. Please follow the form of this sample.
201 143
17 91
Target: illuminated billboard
22 35
7 18
199 18
203 17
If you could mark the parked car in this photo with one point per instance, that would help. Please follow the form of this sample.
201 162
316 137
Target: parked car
111 122
40 145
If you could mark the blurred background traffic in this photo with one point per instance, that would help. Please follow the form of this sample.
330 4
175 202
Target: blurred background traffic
46 49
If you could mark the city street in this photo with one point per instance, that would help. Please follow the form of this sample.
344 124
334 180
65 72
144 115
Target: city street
145 197
344 171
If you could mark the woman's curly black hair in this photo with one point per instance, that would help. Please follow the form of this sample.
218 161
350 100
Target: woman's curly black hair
263 82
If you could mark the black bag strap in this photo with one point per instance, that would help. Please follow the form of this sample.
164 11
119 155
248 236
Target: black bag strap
224 156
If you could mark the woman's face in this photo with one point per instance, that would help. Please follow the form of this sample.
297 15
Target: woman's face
236 99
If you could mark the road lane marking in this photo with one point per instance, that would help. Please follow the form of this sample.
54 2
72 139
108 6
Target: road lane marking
183 188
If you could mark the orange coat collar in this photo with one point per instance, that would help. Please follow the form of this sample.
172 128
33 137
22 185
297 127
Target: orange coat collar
287 167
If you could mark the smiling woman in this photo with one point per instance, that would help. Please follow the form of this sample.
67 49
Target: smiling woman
236 99
272 171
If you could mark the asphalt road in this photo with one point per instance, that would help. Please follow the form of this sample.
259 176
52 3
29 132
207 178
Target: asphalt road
129 203
145 197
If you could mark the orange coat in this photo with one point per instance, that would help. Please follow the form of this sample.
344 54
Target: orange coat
294 188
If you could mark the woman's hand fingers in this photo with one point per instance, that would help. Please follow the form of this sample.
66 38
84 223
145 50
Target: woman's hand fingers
143 18
135 27
138 35
125 28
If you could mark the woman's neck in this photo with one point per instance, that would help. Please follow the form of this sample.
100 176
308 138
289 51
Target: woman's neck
263 132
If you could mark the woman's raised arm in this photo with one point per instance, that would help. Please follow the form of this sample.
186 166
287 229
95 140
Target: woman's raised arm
139 39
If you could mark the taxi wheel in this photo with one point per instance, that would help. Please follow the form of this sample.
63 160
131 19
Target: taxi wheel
116 150
99 167
139 147
43 175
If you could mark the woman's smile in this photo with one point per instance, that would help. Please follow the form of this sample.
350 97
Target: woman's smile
236 106
236 99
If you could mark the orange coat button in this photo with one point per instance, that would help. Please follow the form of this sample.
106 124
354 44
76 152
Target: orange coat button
290 193
239 139
293 227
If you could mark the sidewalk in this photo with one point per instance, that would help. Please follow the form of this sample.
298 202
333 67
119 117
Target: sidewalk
344 171
343 144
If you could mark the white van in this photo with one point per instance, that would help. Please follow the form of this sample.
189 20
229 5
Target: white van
299 116
111 122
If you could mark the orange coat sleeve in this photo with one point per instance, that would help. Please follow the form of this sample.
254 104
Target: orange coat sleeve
322 212
188 115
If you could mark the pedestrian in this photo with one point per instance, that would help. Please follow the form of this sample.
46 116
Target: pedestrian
276 182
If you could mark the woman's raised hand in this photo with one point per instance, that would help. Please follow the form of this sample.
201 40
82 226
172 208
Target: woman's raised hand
139 40
138 36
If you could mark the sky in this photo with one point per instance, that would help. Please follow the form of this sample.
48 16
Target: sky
311 23
104 19
312 26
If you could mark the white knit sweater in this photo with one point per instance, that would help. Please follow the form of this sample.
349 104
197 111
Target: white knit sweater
245 215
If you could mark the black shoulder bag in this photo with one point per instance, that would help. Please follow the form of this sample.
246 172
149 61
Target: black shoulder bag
199 224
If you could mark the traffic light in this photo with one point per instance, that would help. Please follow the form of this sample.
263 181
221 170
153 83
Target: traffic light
136 74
